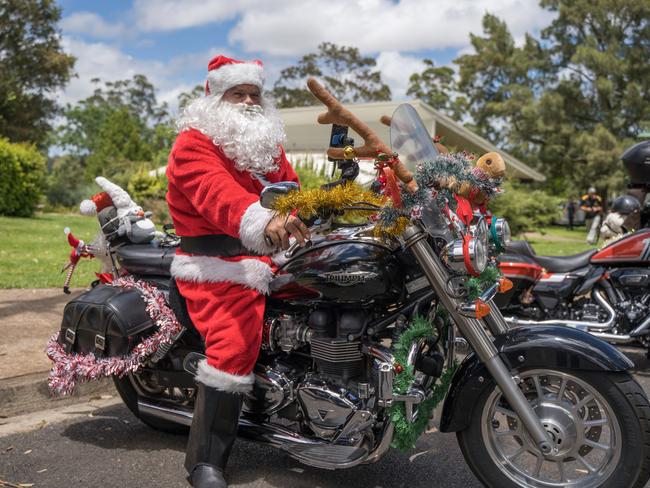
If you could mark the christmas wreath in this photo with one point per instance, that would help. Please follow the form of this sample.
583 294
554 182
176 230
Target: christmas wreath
406 432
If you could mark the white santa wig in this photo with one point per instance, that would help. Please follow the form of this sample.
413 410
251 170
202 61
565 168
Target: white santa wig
251 136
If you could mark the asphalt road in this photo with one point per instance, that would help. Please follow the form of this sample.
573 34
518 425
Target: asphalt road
110 448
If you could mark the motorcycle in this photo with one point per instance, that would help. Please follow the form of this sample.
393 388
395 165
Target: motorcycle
605 292
531 406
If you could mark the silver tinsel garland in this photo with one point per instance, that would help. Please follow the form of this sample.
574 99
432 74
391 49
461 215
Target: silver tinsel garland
69 369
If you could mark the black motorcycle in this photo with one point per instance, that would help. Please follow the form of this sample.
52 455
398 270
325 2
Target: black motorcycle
606 291
531 406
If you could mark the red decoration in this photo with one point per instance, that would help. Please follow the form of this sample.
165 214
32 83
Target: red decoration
464 209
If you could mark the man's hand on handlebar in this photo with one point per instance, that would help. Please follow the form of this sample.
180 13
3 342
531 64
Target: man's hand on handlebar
280 228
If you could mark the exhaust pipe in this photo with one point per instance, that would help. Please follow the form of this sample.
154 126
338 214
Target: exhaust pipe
641 329
270 434
614 338
593 327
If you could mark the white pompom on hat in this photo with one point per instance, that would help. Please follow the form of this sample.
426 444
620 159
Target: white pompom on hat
96 203
224 73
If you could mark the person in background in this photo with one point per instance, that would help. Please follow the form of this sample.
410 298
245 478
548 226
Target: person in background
592 205
570 206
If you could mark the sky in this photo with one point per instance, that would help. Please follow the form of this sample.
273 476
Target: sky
171 41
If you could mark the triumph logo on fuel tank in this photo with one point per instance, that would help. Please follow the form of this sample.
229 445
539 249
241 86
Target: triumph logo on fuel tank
348 278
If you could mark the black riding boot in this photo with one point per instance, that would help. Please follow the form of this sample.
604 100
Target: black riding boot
213 432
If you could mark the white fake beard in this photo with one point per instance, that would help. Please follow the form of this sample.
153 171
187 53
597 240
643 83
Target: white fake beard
249 135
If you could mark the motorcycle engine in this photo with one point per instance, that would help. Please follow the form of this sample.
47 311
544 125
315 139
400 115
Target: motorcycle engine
634 285
326 409
323 391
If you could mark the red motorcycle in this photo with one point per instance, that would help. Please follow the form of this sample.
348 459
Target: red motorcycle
605 292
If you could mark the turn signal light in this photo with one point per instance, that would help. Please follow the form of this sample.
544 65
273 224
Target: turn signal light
482 309
505 284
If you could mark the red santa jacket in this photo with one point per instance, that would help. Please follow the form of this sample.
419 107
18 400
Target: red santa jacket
208 195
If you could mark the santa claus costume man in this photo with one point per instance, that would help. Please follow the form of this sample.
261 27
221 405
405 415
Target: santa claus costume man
228 148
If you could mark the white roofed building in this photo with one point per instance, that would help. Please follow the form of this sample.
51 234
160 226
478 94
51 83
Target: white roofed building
307 141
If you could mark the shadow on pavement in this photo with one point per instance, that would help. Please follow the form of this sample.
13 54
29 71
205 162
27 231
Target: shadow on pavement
433 463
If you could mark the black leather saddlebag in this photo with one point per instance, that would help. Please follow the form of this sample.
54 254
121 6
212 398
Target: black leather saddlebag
106 320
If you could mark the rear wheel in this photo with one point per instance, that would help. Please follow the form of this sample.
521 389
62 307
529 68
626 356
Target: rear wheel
599 424
128 386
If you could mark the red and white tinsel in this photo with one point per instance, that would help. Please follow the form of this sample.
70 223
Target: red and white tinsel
70 369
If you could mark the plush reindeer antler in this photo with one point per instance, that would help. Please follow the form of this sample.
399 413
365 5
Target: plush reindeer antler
338 114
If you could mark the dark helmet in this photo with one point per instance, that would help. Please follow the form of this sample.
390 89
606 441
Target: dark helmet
637 162
625 205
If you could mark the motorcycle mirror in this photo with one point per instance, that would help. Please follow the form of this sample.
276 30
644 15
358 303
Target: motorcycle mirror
275 190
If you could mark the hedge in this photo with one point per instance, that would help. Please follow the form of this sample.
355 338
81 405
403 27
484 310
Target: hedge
22 178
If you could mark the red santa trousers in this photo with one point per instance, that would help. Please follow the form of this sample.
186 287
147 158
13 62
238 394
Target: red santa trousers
229 317
226 299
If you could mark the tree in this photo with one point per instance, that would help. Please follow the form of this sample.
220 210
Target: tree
570 101
343 71
32 67
436 86
185 97
119 124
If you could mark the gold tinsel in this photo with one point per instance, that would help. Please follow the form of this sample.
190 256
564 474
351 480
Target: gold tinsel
392 230
310 202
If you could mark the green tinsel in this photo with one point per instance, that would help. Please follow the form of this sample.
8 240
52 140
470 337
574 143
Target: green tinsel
476 286
407 433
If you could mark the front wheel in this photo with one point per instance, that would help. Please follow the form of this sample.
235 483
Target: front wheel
599 424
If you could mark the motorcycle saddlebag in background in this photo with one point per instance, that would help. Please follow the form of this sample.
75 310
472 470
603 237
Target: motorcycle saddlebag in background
106 320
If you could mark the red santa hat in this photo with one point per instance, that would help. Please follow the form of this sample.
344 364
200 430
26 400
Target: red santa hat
96 203
224 73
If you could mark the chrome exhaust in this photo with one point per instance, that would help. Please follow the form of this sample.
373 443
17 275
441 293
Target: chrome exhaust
615 338
641 329
593 327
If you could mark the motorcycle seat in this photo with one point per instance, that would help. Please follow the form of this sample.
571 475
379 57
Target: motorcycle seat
521 247
563 264
553 264
145 259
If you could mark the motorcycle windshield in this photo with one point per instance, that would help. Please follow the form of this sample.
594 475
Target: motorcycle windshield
409 137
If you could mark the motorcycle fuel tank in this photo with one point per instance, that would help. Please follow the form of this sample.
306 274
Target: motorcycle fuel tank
347 265
634 248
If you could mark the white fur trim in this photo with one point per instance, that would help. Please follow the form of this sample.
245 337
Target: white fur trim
121 199
252 226
88 207
215 378
252 273
225 77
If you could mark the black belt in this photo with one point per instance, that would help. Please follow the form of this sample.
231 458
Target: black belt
219 245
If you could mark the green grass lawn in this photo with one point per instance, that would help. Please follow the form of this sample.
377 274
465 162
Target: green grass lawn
33 251
558 241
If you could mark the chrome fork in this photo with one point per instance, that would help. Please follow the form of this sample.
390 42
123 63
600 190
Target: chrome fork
474 332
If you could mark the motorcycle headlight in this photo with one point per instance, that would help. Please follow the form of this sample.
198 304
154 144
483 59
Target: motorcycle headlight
457 254
500 233
479 229
480 258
